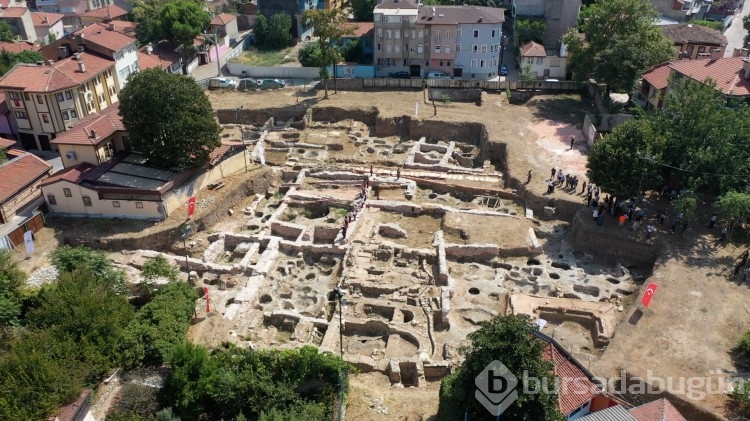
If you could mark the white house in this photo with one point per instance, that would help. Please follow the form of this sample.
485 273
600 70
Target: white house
535 60
48 26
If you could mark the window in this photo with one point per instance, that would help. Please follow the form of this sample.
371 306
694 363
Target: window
481 63
65 115
51 199
378 17
420 34
413 33
380 32
484 48
397 34
26 96
447 49
14 95
540 60
66 192
86 201
378 46
530 60
420 48
60 97
405 63
492 33
21 114
68 94
115 204
441 63
474 48
406 34
396 48
45 118
388 34
139 205
389 48
448 34
39 99
701 50
459 33
437 49
73 114
448 63
101 98
476 33
436 34
458 47
473 63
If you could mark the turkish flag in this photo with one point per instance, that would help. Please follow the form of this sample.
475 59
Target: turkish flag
208 302
648 295
191 206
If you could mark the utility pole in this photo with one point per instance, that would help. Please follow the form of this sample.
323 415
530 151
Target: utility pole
185 233
216 44
244 147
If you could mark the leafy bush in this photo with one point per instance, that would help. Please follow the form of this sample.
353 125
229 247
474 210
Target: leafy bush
71 259
274 33
158 326
309 55
11 285
235 382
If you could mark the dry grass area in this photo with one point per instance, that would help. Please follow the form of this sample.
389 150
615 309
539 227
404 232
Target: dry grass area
370 393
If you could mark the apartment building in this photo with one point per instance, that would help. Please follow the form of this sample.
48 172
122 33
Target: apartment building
463 41
399 45
102 39
20 22
46 98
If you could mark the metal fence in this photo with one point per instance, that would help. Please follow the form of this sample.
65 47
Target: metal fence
535 85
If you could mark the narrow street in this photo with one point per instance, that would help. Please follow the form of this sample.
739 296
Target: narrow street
736 33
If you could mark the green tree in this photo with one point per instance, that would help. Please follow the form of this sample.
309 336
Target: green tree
529 29
735 206
11 285
687 203
169 119
508 339
159 267
620 41
180 21
274 33
8 60
309 55
329 26
623 161
746 23
363 9
74 259
6 33
145 14
85 308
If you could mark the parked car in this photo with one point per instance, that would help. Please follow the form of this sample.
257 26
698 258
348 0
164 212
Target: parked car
271 84
503 70
248 84
399 75
436 74
221 83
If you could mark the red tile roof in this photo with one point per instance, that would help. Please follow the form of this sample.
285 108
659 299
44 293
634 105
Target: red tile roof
222 19
105 123
6 143
361 29
45 19
532 49
726 72
219 153
658 76
575 386
123 27
19 172
109 12
70 412
660 410
13 12
687 33
17 47
100 34
63 74
71 174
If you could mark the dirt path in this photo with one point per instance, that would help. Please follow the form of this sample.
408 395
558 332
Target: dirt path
371 397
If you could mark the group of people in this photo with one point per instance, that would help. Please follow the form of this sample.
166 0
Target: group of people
357 205
561 180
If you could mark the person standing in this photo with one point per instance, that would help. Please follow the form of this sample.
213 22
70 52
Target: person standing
398 173
528 177
572 141
650 230
712 221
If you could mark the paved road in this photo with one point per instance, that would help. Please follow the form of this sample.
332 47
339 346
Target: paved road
736 33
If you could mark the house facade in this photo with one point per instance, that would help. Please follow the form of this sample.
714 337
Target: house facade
45 99
695 41
20 22
558 15
541 63
100 39
399 44
224 25
48 26
681 10
102 14
94 139
364 34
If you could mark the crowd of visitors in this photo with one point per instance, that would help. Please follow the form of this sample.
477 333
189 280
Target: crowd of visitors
357 205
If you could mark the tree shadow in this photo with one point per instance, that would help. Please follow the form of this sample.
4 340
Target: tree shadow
569 108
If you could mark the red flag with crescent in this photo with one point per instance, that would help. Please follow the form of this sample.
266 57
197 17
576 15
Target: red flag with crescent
208 302
191 206
648 295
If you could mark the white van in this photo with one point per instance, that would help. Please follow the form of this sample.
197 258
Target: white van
221 83
436 74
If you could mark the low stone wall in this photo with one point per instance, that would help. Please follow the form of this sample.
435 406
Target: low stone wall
455 95
258 117
481 251
336 114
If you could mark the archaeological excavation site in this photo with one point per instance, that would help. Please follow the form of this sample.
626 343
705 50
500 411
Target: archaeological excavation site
417 223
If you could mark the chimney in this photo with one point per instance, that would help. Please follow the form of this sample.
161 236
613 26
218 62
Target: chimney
111 26
481 19
40 63
51 62
81 66
746 67
93 134
716 54
44 19
149 49
744 52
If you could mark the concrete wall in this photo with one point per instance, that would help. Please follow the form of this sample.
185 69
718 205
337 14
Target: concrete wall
236 69
593 127
456 95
